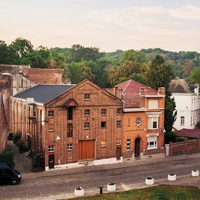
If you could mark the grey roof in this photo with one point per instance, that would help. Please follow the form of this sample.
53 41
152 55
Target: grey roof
43 93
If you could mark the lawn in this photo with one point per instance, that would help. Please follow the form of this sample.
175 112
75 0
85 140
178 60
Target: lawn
161 192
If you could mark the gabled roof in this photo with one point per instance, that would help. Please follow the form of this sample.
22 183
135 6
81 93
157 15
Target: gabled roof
191 133
180 86
44 93
131 93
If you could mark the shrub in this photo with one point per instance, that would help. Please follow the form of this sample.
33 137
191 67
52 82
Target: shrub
21 146
170 137
17 136
181 139
10 136
8 156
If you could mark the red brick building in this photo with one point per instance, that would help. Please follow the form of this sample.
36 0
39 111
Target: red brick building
69 123
143 119
15 79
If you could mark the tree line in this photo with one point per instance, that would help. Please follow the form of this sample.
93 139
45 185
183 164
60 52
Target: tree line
152 67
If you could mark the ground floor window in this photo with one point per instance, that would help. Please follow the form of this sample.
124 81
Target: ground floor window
151 142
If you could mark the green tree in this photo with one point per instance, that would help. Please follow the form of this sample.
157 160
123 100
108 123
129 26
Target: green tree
158 75
20 51
4 53
194 76
39 57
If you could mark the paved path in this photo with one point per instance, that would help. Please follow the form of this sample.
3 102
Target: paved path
22 163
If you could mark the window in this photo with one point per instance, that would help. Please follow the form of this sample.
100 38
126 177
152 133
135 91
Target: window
70 113
119 123
151 142
103 144
119 111
182 120
50 113
50 127
128 144
69 146
118 142
153 104
103 111
152 122
103 124
86 125
51 148
87 113
69 130
87 96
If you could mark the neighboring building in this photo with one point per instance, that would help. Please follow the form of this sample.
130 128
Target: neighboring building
143 119
47 76
187 101
17 78
67 125
3 125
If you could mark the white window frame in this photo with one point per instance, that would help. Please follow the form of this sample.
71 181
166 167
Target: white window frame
87 112
51 148
86 125
182 120
70 146
151 120
152 142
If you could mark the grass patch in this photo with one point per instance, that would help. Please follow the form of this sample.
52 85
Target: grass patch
161 192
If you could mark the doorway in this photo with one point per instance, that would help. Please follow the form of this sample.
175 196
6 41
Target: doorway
137 147
118 153
51 161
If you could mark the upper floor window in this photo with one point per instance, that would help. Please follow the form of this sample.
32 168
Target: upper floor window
119 111
103 124
103 111
119 123
86 125
182 120
153 104
86 112
70 113
152 122
50 113
50 127
87 96
69 130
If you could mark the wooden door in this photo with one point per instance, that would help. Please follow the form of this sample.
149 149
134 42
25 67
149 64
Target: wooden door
86 150
137 147
118 153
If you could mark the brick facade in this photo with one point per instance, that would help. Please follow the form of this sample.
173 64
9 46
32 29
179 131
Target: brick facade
84 123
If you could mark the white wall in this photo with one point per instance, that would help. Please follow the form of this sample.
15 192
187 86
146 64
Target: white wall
188 106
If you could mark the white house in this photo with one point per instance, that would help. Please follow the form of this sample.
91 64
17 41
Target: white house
187 104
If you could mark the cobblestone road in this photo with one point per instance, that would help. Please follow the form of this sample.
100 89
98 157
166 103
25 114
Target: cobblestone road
60 184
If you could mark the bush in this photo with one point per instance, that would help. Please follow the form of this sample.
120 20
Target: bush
21 146
8 156
16 137
10 136
181 139
170 137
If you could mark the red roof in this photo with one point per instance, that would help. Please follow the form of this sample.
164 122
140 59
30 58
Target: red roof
192 133
131 92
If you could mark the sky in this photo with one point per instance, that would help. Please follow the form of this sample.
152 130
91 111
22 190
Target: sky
109 25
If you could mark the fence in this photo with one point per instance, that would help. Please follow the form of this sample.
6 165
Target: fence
178 148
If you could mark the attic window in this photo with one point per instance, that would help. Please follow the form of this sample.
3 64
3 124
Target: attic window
87 96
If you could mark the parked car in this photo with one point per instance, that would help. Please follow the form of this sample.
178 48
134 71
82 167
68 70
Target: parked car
9 176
